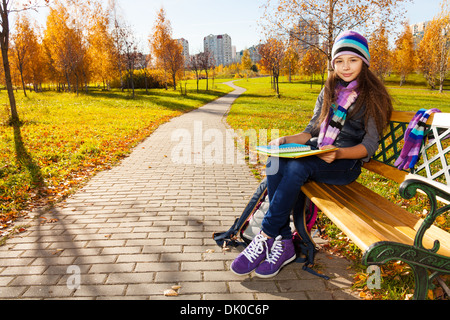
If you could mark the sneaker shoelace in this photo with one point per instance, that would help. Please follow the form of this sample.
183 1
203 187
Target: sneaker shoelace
276 251
255 248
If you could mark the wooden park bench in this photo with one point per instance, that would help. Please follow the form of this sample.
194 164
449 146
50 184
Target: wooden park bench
385 231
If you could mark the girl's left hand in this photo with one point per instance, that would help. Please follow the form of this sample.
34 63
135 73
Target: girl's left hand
328 157
277 142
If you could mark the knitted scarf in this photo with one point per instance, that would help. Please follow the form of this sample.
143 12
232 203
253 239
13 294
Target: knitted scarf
332 126
413 139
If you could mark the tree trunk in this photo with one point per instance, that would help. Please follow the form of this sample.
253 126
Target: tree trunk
330 34
23 82
4 40
174 77
132 83
68 81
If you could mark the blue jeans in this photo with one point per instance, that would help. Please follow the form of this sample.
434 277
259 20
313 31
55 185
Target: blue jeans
285 177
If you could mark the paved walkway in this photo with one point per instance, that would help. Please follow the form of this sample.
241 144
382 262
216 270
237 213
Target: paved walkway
146 225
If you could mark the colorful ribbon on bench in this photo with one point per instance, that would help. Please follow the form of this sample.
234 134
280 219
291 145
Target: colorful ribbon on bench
413 139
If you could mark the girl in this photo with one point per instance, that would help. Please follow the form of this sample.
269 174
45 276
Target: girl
351 113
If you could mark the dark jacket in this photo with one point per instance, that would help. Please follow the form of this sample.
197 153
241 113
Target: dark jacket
353 133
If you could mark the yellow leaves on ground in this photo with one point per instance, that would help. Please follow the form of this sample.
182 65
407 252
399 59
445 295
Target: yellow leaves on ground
65 139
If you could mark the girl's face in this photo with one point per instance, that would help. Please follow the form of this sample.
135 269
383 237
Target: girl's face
348 67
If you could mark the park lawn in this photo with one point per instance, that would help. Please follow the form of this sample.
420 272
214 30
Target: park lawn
64 138
258 108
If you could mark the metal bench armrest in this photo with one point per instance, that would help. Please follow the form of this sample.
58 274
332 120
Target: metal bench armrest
435 192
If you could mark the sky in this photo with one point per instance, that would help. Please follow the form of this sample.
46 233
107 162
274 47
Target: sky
195 19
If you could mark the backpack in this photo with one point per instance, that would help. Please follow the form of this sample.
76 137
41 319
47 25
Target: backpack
248 225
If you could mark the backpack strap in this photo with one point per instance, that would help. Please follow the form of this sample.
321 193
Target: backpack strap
305 215
231 236
228 237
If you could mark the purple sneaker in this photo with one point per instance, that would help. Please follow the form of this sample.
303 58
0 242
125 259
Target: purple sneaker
281 253
251 257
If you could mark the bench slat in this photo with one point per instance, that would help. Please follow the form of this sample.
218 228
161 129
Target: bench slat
366 217
386 171
406 116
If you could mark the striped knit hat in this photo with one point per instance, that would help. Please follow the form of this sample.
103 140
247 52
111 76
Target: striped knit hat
351 42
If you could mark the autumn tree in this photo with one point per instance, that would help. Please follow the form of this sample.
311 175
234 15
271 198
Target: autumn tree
142 64
123 47
167 51
79 13
118 34
312 62
6 8
291 60
158 40
434 51
206 63
317 23
23 42
195 66
101 46
130 55
404 54
175 60
380 61
272 56
65 49
246 62
36 70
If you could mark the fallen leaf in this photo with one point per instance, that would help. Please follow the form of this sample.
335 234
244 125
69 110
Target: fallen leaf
170 293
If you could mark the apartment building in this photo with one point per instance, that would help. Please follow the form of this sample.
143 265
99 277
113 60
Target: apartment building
220 47
418 31
185 45
254 54
305 35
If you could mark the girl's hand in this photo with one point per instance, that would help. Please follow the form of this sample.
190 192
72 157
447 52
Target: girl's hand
277 142
328 157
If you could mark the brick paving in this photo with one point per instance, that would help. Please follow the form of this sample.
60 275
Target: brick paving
146 225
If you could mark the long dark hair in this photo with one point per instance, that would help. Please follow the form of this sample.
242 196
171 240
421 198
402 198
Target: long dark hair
372 94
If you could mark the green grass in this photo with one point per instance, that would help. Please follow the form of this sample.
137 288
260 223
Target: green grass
64 138
258 108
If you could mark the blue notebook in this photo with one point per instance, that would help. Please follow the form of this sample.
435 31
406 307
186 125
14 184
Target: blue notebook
290 147
290 150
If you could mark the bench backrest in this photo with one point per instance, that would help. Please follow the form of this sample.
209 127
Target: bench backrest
435 155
